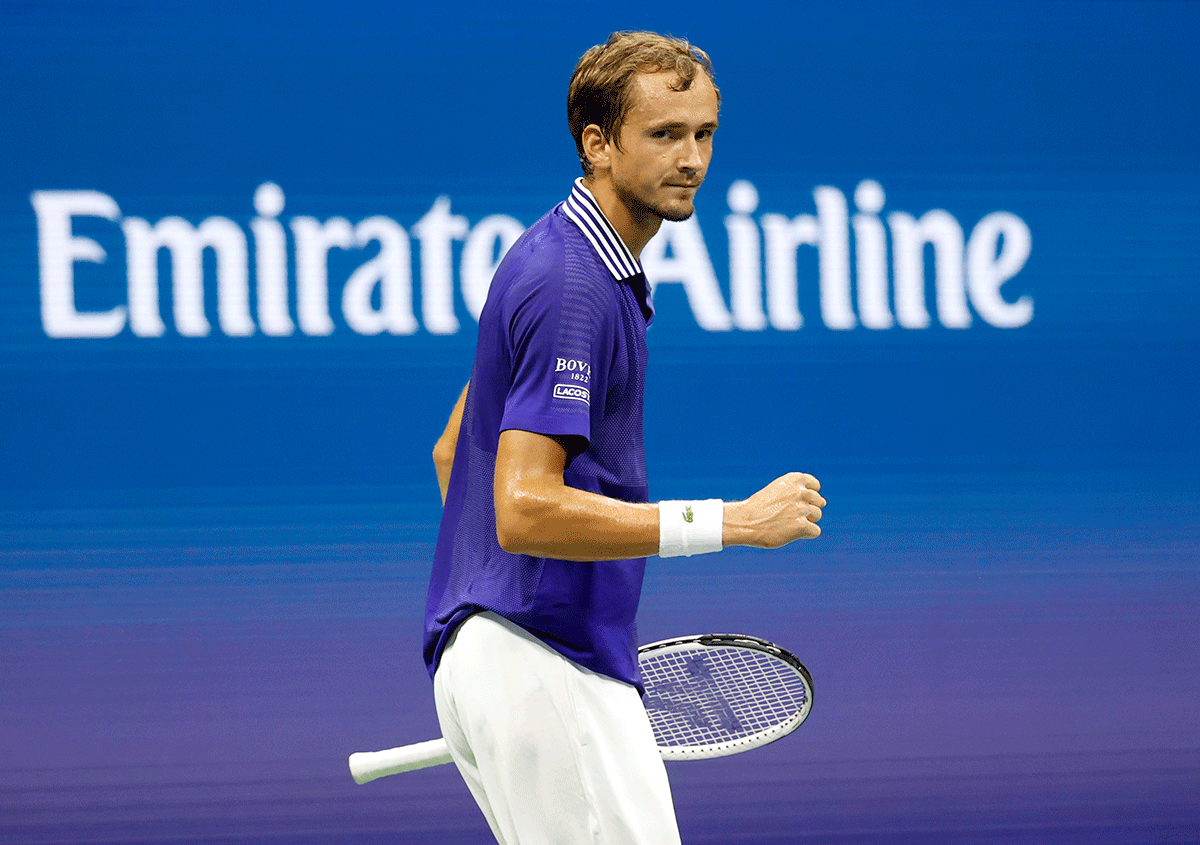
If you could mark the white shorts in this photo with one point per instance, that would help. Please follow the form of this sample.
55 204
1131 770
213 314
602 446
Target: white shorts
554 754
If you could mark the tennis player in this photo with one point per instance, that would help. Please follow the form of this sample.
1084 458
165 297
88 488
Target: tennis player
530 633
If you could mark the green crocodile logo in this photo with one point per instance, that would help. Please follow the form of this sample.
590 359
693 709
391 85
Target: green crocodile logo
687 514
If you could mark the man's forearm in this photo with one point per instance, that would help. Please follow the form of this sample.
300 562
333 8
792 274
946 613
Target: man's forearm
443 450
538 514
553 520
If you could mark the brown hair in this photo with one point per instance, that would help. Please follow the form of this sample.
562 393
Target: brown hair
601 87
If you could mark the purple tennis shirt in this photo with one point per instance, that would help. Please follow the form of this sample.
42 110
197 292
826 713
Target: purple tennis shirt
561 352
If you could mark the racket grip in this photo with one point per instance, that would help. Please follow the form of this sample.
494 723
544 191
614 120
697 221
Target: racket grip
365 766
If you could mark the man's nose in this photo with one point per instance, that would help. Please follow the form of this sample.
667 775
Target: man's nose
689 156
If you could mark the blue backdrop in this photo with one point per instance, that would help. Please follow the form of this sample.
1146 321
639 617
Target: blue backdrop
946 260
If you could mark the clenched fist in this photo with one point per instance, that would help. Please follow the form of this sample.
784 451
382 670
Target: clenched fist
787 509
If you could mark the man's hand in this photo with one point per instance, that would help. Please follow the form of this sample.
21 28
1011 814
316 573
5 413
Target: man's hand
787 509
538 514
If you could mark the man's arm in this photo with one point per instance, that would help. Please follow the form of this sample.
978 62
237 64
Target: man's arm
443 450
538 514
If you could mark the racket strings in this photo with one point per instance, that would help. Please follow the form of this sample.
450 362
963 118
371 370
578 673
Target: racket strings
710 696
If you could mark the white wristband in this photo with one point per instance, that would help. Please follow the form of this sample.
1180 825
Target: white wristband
690 528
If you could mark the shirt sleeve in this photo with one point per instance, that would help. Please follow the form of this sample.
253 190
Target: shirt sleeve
562 334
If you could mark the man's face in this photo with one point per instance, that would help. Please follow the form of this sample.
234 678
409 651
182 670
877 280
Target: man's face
666 144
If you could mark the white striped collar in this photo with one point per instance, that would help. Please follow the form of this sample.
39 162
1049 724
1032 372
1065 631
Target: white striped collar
582 209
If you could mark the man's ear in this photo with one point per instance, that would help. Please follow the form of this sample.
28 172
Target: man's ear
596 147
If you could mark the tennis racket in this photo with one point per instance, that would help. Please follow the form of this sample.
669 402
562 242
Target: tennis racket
709 695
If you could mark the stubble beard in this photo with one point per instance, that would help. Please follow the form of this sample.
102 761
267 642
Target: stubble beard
640 208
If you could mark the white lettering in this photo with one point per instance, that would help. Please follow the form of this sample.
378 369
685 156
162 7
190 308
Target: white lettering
870 242
571 391
829 232
987 270
765 278
745 263
270 262
837 310
436 231
690 266
909 237
186 244
489 240
313 242
572 365
783 238
391 272
58 250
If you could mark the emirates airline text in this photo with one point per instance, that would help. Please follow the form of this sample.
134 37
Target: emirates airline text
868 269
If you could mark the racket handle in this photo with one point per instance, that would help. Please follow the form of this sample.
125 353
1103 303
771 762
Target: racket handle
365 766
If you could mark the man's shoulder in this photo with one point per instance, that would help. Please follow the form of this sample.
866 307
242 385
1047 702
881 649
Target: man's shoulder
540 249
550 255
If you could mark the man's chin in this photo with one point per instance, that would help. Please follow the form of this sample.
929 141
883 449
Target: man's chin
676 213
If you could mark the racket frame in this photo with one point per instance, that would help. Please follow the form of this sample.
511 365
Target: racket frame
368 765
755 740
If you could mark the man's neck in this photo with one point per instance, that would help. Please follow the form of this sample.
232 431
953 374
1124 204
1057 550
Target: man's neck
635 230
